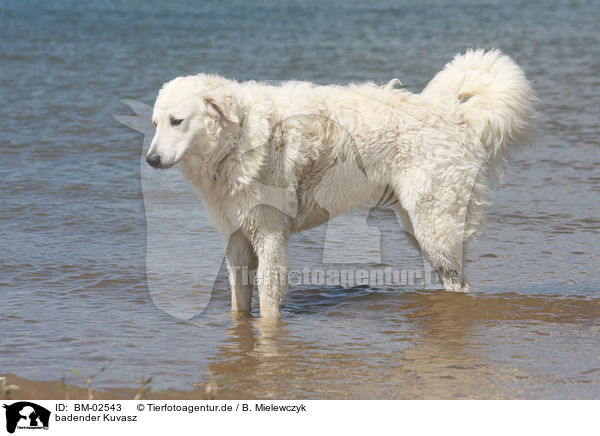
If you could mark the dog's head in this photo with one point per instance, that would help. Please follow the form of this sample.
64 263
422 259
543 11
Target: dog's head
190 113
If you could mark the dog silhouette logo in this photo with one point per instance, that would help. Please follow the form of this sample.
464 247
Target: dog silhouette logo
26 415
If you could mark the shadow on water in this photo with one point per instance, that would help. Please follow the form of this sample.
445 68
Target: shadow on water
424 345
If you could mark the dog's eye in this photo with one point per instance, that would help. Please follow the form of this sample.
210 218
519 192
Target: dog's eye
175 121
154 122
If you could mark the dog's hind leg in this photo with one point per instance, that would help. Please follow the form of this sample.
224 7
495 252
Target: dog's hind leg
437 211
242 263
441 242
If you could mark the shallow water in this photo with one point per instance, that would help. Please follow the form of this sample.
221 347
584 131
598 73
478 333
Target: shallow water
73 219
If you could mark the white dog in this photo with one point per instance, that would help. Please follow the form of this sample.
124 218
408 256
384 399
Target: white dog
272 160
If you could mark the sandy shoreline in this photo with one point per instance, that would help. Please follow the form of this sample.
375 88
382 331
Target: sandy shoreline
54 390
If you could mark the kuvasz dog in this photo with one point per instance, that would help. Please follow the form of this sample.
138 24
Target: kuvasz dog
271 160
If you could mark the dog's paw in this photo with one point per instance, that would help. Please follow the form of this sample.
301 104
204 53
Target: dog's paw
453 283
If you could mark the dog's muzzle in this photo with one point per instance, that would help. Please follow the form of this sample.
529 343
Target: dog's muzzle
154 160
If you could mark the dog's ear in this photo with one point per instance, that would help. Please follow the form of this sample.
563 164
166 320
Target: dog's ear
222 108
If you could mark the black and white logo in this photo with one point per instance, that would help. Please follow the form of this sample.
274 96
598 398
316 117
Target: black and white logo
26 415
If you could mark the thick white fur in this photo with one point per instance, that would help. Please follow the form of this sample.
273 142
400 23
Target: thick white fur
272 160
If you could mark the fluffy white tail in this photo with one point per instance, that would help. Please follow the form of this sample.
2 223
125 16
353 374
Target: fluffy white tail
494 98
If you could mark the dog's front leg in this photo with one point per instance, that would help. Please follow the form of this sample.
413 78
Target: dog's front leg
242 263
273 259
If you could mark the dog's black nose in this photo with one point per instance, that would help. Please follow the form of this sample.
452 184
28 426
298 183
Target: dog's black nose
153 160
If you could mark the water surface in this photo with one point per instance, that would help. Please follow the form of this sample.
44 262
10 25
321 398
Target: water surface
73 226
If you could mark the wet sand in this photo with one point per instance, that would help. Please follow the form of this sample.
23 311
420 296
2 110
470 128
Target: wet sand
53 390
